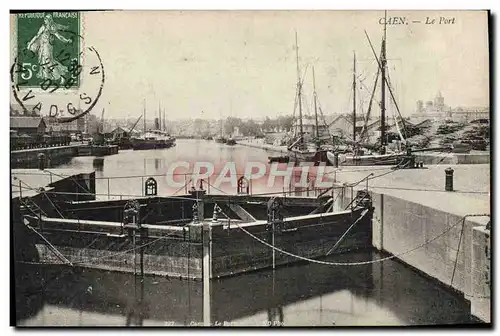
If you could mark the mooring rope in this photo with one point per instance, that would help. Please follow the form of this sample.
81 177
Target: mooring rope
51 247
361 262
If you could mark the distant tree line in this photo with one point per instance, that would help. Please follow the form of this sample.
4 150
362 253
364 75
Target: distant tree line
252 128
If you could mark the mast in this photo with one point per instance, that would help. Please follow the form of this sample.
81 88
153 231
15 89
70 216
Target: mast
159 115
299 89
383 62
315 110
164 123
102 120
354 98
144 113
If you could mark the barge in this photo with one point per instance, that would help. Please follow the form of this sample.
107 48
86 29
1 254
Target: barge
173 235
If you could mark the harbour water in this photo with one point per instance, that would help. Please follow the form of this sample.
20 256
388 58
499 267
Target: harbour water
378 293
382 293
127 169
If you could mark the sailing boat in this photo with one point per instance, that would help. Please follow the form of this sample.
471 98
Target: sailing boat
221 138
230 141
299 151
358 156
153 139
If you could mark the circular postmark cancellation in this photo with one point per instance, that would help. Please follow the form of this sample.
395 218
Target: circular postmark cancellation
47 73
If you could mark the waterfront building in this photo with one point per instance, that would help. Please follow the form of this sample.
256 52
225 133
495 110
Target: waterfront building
342 126
437 110
27 125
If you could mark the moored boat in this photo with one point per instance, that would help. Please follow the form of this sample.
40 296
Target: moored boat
358 156
220 139
153 140
366 160
300 150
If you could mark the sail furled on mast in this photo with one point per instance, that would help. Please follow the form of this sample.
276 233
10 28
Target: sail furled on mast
385 83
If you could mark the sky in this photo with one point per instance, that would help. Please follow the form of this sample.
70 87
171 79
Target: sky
213 64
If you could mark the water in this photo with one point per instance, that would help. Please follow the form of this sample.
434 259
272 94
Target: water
159 163
385 293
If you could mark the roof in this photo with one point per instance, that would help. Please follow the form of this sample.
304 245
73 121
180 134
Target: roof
25 122
337 118
119 130
359 121
423 123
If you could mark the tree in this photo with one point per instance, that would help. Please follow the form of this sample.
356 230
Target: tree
250 127
230 124
285 122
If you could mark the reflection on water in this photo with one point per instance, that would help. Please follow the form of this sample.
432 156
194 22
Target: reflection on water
300 295
133 165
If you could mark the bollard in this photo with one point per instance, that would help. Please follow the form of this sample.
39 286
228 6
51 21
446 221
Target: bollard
336 160
449 179
41 161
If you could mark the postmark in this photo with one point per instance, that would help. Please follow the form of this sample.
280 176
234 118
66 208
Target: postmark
48 76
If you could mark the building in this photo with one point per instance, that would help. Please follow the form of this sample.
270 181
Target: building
119 132
27 125
17 110
309 129
342 126
55 124
470 114
91 124
437 110
420 106
439 102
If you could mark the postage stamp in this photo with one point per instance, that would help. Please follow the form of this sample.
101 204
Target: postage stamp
47 49
54 72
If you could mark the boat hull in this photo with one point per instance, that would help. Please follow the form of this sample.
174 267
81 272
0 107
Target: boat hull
307 156
233 251
367 160
139 144
220 140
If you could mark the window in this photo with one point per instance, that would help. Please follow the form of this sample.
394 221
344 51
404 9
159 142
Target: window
151 187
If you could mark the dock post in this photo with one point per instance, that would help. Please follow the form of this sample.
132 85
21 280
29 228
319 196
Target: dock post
206 239
274 215
135 253
448 186
207 232
141 251
42 162
274 252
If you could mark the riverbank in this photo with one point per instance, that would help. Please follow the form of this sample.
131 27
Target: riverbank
259 143
29 158
475 157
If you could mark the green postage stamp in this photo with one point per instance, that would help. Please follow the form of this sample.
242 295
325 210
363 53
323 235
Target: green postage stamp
48 49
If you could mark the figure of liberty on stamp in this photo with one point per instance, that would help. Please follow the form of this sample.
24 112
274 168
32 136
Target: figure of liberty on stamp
48 49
